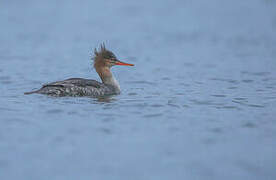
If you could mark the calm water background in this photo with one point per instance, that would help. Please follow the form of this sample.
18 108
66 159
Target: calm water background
198 104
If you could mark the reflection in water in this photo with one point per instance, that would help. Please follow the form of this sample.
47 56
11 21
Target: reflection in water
106 99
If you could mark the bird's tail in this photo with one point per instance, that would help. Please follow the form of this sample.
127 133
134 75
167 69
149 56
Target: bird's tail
31 92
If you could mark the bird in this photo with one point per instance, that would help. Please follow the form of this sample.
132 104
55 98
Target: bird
104 59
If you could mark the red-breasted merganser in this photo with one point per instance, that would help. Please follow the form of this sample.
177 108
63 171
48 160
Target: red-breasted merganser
103 61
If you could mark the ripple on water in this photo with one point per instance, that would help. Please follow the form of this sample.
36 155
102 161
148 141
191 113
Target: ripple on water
5 80
153 115
249 167
256 105
136 105
244 102
228 107
105 130
166 78
256 73
217 130
184 84
205 102
260 90
8 109
240 99
247 80
141 82
54 111
173 105
174 129
232 87
270 97
249 125
270 87
225 80
108 115
17 121
218 95
209 141
199 102
72 112
58 139
268 79
157 105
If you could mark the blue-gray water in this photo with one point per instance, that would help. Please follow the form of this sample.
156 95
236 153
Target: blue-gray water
198 104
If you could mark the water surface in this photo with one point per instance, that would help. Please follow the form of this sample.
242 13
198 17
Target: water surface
198 104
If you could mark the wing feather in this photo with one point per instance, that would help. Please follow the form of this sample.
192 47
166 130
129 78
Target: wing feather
75 82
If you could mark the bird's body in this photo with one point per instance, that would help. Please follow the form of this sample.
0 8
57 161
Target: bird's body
103 61
77 87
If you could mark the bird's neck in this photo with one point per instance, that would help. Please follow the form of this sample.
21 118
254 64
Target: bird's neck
107 77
